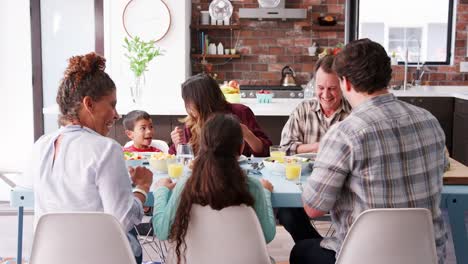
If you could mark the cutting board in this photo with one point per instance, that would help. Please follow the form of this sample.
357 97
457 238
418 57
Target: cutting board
457 174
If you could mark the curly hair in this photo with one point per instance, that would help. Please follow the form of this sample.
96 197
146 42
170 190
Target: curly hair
83 77
365 64
217 179
202 92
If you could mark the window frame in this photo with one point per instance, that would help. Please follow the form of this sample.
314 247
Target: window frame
352 30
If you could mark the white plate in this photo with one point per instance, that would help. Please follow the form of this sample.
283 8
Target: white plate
242 158
310 155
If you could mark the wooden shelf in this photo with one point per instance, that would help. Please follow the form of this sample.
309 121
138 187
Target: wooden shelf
211 56
324 28
213 27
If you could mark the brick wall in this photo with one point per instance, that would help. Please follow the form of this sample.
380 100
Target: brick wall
267 46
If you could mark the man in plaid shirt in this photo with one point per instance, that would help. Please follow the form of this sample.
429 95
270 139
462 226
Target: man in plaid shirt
305 127
386 154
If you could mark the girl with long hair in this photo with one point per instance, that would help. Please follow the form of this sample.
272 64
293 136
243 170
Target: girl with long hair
203 98
217 180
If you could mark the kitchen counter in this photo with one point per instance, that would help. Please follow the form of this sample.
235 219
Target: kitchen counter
279 106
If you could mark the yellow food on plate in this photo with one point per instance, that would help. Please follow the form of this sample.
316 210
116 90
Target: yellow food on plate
161 156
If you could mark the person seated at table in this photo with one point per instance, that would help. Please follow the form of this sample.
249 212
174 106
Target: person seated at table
78 168
311 119
385 154
139 128
302 133
217 180
203 97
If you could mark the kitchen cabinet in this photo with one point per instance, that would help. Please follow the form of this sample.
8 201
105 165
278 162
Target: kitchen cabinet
460 131
442 108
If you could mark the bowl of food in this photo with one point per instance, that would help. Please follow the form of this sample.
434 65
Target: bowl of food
133 159
310 158
231 91
278 167
158 161
327 20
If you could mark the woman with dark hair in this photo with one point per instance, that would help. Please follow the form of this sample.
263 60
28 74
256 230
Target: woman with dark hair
203 97
217 180
77 168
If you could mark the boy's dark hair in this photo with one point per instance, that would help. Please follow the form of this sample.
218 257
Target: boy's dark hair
365 64
132 117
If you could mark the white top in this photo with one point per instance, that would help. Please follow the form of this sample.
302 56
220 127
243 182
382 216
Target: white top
88 174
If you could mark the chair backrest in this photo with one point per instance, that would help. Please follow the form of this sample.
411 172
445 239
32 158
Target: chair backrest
231 235
388 236
75 238
157 143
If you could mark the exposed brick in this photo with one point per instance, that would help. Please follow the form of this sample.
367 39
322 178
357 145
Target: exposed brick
242 66
259 67
275 67
267 46
267 42
276 50
266 58
437 76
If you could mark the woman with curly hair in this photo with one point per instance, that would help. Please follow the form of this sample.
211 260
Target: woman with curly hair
203 98
77 168
217 180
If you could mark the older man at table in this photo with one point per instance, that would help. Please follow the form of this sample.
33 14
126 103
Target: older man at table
312 118
386 154
307 125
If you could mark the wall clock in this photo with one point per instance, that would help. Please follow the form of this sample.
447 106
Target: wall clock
150 20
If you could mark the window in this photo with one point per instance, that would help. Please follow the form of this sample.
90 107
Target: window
423 27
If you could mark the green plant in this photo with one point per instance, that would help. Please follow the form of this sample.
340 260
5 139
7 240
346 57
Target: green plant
140 53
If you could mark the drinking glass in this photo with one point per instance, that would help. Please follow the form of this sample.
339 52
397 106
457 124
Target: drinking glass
277 153
293 170
184 155
175 169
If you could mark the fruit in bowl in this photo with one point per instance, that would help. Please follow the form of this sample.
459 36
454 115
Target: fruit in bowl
231 91
133 159
278 167
158 161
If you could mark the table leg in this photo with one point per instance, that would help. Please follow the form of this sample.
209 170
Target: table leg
20 235
457 205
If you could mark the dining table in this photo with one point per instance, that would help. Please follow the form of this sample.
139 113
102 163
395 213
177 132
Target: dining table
288 194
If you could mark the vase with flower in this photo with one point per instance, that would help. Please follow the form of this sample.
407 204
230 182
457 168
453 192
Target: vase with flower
139 53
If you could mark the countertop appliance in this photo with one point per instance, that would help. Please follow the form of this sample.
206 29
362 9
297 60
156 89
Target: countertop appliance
279 91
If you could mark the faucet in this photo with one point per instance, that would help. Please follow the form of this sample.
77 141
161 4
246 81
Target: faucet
406 69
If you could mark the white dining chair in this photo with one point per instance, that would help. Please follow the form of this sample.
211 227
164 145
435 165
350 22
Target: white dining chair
389 236
157 143
230 236
76 238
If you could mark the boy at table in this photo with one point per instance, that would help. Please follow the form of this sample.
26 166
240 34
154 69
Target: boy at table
385 154
139 128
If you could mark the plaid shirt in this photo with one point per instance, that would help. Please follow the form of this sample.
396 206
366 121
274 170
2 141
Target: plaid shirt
386 154
307 124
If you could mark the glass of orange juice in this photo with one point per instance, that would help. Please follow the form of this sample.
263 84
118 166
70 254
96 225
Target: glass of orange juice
293 170
175 169
277 153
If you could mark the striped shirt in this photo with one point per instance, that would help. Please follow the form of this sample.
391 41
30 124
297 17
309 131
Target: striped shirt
307 124
386 154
